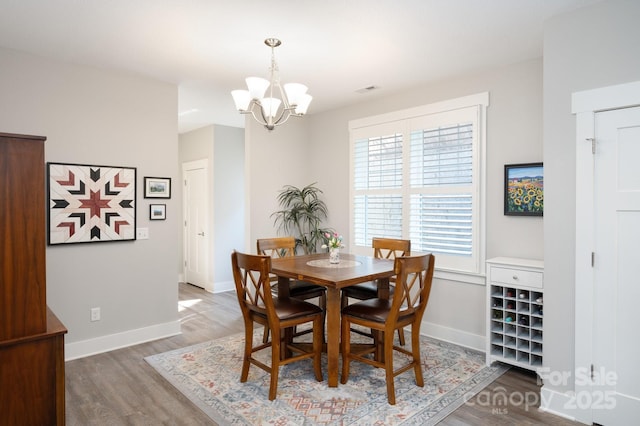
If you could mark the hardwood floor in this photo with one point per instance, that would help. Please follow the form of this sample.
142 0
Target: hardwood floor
120 388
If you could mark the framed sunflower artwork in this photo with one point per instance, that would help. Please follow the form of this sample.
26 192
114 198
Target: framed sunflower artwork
523 189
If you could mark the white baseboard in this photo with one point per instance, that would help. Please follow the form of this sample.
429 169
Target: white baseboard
111 342
452 335
556 403
222 286
219 286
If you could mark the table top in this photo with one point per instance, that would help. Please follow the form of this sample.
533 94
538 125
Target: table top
353 269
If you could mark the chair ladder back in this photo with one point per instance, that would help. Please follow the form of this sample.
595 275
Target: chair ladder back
389 248
251 276
413 284
276 248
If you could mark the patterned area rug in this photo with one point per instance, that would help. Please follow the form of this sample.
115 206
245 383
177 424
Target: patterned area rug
209 375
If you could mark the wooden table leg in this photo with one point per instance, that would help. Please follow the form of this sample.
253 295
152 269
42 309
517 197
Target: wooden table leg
283 287
333 335
383 288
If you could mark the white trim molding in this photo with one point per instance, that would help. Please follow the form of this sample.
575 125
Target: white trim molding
453 335
224 286
115 341
481 99
606 98
555 402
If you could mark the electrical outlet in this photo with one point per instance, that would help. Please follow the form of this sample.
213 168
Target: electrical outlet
95 314
142 233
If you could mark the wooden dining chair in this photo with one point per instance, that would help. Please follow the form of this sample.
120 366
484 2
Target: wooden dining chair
286 246
253 288
413 285
383 248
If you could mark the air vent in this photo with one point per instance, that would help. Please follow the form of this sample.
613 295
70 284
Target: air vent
367 89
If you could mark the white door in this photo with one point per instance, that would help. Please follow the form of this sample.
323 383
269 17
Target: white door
196 232
616 342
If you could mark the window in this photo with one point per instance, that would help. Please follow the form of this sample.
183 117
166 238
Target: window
416 174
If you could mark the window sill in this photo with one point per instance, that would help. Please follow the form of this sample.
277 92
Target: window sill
458 276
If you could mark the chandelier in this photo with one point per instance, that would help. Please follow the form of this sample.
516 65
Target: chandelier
272 111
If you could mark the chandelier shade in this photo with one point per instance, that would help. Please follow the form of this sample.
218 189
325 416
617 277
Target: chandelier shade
270 103
242 99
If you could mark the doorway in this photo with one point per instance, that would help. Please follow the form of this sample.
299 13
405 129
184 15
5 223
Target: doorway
607 381
196 219
616 349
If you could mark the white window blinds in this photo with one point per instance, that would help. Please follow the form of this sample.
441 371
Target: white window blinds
377 205
378 162
442 161
418 177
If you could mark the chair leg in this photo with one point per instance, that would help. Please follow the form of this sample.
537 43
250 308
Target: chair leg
401 336
317 347
378 342
265 335
275 363
388 366
415 347
322 303
248 346
286 337
346 349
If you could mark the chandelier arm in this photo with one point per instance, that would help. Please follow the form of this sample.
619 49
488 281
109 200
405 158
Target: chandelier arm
271 124
284 116
252 111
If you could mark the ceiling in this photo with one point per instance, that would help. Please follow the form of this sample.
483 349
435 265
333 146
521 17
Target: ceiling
335 47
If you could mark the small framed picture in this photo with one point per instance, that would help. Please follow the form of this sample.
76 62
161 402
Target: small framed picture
157 212
523 189
157 187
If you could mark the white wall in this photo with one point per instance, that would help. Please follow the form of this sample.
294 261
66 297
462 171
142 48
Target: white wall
228 204
274 159
319 153
593 47
91 116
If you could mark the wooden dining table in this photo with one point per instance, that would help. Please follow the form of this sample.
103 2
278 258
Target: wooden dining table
315 268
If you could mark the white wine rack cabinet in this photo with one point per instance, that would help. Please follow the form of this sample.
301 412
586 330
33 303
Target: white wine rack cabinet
515 299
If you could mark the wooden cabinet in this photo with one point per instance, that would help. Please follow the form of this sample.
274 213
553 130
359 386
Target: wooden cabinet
31 337
515 297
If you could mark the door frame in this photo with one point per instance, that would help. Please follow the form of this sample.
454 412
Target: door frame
189 165
585 105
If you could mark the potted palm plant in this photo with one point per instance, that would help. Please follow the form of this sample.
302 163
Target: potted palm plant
301 215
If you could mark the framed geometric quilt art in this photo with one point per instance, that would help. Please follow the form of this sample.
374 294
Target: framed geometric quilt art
89 204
